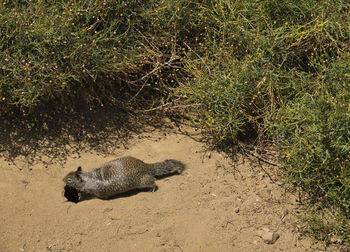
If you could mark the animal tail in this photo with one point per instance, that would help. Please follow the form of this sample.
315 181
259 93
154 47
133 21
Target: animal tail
168 166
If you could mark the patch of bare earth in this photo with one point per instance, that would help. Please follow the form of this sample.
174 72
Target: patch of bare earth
217 204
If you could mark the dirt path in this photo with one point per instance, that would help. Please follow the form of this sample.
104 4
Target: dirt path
215 205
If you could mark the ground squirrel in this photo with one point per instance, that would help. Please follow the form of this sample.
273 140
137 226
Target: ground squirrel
120 175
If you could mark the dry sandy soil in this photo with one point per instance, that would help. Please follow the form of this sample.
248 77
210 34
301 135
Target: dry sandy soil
217 204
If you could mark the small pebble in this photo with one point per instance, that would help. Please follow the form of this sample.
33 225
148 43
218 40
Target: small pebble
268 236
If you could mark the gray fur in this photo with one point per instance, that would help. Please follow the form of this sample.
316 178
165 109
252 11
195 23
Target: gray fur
167 167
120 175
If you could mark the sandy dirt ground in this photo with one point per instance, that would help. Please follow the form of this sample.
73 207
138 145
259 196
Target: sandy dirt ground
217 204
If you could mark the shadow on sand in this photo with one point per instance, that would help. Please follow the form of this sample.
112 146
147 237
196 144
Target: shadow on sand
53 133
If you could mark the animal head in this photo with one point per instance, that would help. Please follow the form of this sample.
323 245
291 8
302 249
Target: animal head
74 179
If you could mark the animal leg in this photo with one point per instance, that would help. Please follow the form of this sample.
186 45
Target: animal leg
148 181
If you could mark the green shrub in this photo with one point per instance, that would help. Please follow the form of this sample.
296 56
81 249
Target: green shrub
281 69
93 50
50 47
314 134
227 103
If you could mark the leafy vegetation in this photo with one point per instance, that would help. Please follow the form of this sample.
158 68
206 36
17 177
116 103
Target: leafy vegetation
96 51
281 69
277 70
